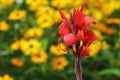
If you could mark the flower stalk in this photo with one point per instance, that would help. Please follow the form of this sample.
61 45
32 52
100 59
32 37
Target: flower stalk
78 68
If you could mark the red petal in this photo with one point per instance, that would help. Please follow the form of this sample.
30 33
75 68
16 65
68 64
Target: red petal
79 35
64 28
85 52
82 7
78 17
69 39
89 36
62 14
87 21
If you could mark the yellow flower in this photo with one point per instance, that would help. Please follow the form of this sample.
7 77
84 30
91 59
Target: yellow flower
6 77
34 32
29 2
31 46
39 57
59 63
6 3
34 6
1 78
46 10
4 26
45 21
17 15
76 3
95 48
60 3
57 51
110 6
17 62
97 14
17 44
41 2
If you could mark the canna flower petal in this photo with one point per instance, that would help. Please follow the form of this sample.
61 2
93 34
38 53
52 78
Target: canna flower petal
62 14
89 36
66 22
85 52
82 7
78 16
79 35
69 39
88 20
64 28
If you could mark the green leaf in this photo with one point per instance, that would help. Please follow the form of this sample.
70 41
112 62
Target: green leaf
110 71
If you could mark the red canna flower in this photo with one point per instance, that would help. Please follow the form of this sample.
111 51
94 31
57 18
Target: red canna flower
75 30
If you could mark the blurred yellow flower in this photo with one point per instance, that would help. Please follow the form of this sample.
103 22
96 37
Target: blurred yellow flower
57 51
6 77
15 45
41 2
59 63
4 26
34 6
34 32
17 15
60 3
29 2
17 62
45 21
76 3
39 57
95 48
31 46
97 14
110 6
6 3
46 10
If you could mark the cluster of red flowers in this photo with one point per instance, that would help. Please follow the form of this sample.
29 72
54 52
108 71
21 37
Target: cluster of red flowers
75 30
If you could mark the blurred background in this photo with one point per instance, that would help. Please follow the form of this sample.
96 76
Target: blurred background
28 40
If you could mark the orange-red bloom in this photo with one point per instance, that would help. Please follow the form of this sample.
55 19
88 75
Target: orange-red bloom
75 30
